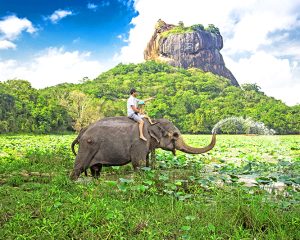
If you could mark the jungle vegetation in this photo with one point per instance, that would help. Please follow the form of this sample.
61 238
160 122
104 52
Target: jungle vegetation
181 29
194 100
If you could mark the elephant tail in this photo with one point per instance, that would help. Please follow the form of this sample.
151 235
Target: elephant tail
76 141
73 145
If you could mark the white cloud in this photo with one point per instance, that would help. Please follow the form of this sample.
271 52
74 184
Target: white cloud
59 14
276 77
53 66
251 32
122 37
76 40
92 6
246 27
5 44
287 49
126 3
244 24
11 28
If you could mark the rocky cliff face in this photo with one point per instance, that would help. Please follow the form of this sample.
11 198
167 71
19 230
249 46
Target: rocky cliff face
195 47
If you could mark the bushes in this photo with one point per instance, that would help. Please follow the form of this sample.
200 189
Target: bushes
194 100
213 29
181 29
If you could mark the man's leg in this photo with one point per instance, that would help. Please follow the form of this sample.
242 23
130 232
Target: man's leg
140 121
141 129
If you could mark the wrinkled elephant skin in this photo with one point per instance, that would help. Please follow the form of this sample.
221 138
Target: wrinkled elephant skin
114 141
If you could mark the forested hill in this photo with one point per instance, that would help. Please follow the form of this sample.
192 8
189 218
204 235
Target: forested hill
192 99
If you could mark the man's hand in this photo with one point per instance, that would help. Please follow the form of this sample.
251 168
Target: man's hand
135 109
148 99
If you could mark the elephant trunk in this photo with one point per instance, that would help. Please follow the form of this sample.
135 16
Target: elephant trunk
74 175
182 146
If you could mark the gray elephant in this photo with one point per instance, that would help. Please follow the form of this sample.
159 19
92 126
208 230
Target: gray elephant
114 141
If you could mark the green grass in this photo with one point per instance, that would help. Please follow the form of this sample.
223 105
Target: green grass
182 29
177 30
185 197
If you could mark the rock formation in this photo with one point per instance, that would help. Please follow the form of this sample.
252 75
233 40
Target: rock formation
188 47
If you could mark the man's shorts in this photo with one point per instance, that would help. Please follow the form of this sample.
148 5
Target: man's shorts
135 117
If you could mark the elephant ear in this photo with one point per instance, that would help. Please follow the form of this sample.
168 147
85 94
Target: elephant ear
156 132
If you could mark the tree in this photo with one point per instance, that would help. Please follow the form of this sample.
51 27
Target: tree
194 100
213 29
197 27
251 87
181 24
82 108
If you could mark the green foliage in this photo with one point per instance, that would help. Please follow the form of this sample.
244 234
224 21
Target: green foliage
24 109
212 28
82 108
186 197
177 30
194 100
251 87
197 27
181 24
181 29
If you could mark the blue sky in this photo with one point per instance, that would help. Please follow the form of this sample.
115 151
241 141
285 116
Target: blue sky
87 25
50 42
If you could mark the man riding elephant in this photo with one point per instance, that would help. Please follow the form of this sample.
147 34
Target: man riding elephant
115 141
133 111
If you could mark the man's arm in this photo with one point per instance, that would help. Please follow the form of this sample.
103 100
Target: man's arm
149 99
135 109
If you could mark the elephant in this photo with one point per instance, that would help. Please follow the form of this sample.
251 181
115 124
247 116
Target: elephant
114 141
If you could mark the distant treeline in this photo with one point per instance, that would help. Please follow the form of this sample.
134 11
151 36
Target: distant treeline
192 99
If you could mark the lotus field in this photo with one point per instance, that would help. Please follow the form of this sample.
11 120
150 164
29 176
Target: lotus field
247 187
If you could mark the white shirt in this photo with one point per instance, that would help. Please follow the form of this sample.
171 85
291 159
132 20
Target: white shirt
132 101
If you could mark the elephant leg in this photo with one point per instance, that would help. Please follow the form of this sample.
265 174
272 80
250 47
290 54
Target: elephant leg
138 162
95 170
138 155
147 160
99 171
136 165
153 159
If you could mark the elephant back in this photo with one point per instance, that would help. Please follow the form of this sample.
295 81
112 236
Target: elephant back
115 121
115 136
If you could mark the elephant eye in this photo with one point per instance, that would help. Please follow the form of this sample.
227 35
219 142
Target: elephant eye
90 141
175 135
